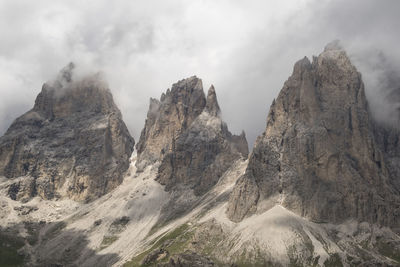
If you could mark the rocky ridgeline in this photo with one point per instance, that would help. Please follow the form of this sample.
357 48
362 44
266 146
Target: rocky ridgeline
321 154
72 143
186 135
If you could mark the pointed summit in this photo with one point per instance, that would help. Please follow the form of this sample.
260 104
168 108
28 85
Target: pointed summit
68 95
212 103
73 143
334 60
189 85
185 134
318 156
172 115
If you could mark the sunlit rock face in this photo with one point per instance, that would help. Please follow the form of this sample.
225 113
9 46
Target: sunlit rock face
184 132
318 155
167 118
73 143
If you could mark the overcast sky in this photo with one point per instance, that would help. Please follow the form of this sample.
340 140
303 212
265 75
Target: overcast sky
245 48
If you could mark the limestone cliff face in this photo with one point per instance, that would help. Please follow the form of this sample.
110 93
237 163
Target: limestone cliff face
202 153
318 155
72 143
387 137
185 133
167 118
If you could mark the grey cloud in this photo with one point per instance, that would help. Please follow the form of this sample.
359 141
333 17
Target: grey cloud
245 48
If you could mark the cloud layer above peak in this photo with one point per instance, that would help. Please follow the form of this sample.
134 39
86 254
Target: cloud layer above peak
245 48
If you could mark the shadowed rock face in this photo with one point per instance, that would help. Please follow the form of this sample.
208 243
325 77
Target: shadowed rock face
387 130
318 155
72 143
185 133
388 140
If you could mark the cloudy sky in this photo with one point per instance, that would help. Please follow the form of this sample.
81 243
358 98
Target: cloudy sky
245 48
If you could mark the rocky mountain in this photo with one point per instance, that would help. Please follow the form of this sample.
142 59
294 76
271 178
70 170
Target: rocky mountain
318 156
320 187
185 139
203 152
72 143
185 133
167 118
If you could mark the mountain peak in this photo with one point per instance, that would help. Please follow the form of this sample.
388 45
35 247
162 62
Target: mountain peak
67 95
212 104
167 118
335 59
301 65
73 143
184 125
318 156
190 84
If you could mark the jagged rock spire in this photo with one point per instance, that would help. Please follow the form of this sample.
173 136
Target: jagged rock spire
318 156
184 132
212 104
173 114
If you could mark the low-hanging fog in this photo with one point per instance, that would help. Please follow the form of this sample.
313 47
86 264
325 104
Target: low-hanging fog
245 48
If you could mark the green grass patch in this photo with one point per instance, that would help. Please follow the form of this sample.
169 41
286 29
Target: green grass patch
107 241
54 230
202 213
174 242
333 261
252 260
154 229
9 246
33 232
389 251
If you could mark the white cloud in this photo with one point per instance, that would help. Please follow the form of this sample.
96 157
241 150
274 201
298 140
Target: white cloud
245 48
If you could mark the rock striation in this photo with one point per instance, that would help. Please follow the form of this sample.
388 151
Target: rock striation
167 118
387 138
186 135
73 142
319 155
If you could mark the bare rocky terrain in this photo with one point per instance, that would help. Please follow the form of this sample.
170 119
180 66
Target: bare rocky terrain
320 187
73 143
319 155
